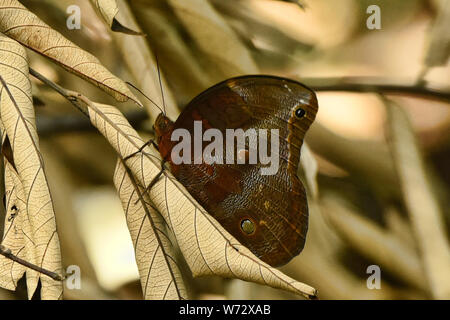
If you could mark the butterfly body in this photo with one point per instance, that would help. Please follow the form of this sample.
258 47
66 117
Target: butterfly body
268 213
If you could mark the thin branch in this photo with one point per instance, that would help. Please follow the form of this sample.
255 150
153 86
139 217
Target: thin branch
368 84
69 95
8 254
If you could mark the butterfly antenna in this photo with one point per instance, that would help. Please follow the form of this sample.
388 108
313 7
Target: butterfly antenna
149 99
160 83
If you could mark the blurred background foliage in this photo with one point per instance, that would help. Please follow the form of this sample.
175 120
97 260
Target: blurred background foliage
366 212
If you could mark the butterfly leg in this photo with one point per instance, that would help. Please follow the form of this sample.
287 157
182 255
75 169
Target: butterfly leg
151 141
155 179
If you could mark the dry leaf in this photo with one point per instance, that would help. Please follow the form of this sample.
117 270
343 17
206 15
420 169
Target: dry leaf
13 237
177 61
142 66
17 235
25 27
425 214
18 120
108 10
250 22
214 37
206 246
160 276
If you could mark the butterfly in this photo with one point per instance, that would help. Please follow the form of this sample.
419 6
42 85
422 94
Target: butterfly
267 213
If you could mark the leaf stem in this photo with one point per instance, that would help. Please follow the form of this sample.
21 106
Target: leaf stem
8 254
69 95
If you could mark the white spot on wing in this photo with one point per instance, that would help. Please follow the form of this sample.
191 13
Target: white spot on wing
287 87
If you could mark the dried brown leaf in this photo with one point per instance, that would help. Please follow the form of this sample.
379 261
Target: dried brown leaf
214 37
177 61
108 10
142 66
159 273
264 32
13 237
25 27
18 121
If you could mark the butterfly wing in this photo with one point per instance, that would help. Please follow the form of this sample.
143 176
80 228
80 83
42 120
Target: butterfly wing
266 213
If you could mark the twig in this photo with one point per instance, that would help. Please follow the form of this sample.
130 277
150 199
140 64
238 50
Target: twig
8 254
368 84
69 95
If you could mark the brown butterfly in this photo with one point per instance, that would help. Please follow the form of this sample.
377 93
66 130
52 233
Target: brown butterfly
266 213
